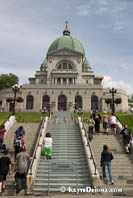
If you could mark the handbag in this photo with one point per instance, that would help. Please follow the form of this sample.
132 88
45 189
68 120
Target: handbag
3 146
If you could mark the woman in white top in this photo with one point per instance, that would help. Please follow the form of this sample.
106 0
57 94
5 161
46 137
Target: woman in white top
113 123
47 145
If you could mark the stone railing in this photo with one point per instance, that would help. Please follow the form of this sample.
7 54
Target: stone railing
89 155
36 160
9 123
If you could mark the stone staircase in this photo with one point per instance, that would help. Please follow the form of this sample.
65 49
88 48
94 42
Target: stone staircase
122 164
31 130
68 158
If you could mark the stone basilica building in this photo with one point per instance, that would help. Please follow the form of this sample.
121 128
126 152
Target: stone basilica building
65 81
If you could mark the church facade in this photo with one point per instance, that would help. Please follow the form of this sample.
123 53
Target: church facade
65 82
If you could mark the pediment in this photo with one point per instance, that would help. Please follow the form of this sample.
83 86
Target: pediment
65 52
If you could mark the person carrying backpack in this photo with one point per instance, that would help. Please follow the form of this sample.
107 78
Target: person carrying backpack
126 135
18 144
91 125
20 131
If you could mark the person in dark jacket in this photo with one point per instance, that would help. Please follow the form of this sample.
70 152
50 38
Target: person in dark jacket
126 135
5 169
106 157
97 119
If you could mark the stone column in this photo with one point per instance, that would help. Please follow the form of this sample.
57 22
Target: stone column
55 81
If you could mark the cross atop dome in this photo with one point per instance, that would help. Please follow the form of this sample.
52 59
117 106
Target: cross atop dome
66 30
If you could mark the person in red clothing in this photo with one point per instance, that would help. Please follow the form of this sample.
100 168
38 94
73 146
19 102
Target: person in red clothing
2 135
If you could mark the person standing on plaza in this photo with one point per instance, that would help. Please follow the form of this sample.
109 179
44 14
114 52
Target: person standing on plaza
47 145
97 119
105 120
106 157
126 135
113 123
91 125
2 135
21 168
5 169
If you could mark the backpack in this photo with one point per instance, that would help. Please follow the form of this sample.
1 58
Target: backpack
18 144
126 134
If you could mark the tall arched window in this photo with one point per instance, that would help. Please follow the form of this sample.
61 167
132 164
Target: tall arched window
29 102
78 102
94 103
45 101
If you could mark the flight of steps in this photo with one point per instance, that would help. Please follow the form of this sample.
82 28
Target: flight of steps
122 164
67 148
31 130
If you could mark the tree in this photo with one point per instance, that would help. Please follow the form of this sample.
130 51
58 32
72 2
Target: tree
8 80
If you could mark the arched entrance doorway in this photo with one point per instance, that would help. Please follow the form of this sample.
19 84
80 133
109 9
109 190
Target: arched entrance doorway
94 103
45 101
29 102
11 106
62 102
78 102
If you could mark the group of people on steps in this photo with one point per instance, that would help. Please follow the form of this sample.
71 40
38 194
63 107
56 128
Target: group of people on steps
22 157
108 122
21 161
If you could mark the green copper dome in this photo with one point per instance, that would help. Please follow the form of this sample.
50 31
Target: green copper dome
66 41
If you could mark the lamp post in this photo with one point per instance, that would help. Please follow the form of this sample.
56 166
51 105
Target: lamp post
113 91
44 111
50 105
74 107
15 89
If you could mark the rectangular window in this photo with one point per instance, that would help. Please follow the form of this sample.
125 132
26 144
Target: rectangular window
0 102
58 81
70 81
64 81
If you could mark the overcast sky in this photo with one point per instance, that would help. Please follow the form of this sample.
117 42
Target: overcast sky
104 27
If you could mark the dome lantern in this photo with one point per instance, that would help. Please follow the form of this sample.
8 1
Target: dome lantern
66 30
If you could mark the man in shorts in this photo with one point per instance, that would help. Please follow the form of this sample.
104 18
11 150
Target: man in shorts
5 169
105 120
113 123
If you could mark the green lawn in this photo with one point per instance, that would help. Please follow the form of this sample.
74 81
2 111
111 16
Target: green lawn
126 119
27 117
85 116
4 116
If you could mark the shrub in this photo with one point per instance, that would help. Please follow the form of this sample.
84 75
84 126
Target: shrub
19 99
9 100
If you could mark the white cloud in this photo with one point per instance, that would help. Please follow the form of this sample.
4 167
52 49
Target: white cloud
100 7
125 67
109 83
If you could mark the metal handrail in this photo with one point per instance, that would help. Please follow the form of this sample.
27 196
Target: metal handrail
88 144
37 144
